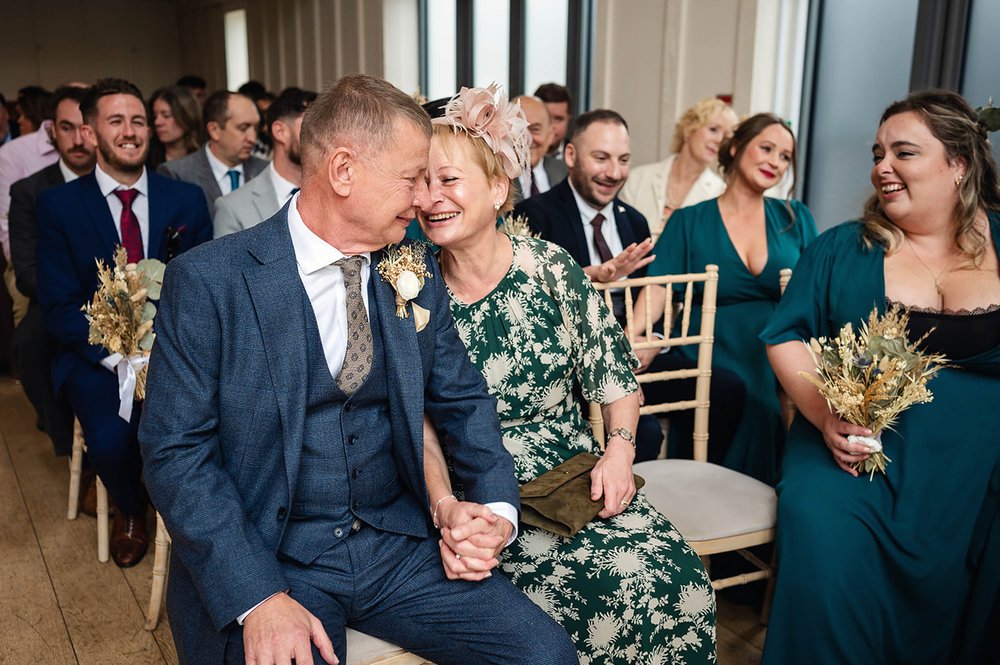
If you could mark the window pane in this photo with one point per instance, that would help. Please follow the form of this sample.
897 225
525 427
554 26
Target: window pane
441 48
237 53
545 43
491 42
401 48
982 53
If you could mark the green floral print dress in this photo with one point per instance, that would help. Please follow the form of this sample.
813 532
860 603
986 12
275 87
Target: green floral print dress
627 589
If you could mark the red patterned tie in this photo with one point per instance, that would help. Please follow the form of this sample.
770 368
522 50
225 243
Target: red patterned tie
131 234
602 245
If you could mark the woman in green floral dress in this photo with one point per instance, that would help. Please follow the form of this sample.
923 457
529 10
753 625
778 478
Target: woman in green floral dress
627 588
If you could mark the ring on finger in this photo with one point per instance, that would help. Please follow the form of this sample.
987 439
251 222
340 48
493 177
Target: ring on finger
624 502
458 556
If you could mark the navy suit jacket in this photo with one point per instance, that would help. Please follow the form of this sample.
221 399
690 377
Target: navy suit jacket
222 426
75 227
555 215
24 228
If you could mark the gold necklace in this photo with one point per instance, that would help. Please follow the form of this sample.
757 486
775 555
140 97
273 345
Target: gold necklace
936 278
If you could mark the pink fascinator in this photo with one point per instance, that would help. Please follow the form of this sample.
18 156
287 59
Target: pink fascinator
486 114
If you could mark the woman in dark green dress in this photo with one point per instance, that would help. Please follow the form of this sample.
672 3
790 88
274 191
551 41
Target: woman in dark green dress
904 568
626 587
751 238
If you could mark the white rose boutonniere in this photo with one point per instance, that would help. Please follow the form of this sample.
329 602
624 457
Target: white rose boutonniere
404 269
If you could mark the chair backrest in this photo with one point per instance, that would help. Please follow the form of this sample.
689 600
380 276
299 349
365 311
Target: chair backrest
703 338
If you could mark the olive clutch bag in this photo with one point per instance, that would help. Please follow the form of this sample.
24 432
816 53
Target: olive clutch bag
559 501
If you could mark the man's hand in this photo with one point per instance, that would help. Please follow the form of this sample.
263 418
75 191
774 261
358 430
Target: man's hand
280 630
471 538
612 478
645 356
631 259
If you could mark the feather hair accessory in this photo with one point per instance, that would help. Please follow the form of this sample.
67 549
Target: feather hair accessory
487 114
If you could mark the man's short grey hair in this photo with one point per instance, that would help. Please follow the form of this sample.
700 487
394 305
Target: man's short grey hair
359 112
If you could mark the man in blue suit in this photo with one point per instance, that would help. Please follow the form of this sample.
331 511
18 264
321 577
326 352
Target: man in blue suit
119 203
283 428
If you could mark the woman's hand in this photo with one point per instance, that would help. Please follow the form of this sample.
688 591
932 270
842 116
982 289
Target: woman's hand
645 356
845 454
612 478
631 259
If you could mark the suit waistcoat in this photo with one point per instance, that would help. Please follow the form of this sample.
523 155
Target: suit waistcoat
348 467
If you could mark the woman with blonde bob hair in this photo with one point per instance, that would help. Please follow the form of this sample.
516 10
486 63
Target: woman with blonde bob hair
626 587
688 175
904 567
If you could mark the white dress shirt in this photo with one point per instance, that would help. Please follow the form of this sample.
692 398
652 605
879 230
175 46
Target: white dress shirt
140 206
68 174
282 188
541 179
609 229
221 171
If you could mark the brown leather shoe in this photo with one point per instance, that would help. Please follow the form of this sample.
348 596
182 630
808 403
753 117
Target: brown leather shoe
129 540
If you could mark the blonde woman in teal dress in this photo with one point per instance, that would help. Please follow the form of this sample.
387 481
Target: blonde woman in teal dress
751 237
627 588
903 568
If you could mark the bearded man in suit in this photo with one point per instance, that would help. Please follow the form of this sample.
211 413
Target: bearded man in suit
118 203
283 428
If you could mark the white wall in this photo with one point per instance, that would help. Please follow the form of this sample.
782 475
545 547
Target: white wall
655 58
50 42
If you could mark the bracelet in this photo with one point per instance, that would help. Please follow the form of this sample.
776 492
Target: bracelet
434 513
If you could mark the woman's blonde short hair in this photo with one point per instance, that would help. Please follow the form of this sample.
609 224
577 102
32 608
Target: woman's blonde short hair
952 122
695 118
484 157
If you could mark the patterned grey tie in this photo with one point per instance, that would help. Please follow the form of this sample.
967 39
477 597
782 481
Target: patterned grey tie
358 359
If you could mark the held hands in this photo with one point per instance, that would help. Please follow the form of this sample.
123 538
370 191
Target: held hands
645 356
471 538
631 259
612 478
845 454
279 630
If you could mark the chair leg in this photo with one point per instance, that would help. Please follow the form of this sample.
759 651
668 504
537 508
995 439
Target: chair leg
103 531
75 469
160 558
765 609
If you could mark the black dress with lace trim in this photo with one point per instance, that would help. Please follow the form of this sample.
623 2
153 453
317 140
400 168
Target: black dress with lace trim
959 333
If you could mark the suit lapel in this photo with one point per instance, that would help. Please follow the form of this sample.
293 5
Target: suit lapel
100 214
158 216
207 178
402 353
276 292
573 222
623 223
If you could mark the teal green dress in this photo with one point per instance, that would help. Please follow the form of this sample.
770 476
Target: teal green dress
904 568
628 590
693 238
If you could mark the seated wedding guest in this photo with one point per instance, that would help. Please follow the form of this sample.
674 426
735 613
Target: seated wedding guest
196 85
263 196
5 134
560 105
118 203
627 588
751 238
688 175
33 346
610 240
282 430
224 163
544 172
31 151
905 567
177 127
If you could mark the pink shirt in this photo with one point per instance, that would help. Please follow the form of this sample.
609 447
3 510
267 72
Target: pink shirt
20 158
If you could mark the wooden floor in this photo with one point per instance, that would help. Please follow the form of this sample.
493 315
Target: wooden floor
59 606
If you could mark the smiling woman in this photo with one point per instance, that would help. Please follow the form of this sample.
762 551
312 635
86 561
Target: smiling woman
752 238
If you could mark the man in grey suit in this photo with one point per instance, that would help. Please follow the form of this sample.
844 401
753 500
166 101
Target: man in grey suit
283 425
262 197
545 172
225 163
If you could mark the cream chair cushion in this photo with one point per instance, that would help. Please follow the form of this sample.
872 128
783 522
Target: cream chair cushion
364 649
706 501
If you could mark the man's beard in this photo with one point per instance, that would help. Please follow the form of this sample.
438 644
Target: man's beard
112 160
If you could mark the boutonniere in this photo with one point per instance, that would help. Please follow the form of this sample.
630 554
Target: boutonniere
621 209
172 242
403 267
